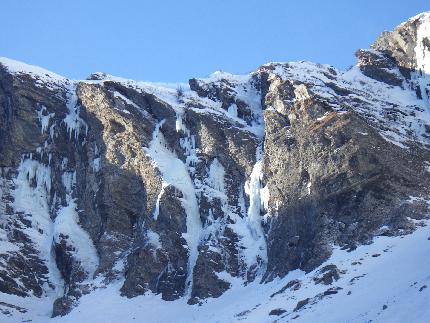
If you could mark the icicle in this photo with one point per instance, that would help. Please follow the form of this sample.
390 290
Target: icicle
157 203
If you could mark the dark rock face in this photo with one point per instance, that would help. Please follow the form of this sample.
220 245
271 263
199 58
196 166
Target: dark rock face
401 43
334 195
277 311
327 275
380 66
178 192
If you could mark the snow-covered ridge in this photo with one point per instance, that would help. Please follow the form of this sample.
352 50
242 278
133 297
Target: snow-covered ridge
420 16
368 97
166 92
241 85
43 77
18 67
376 97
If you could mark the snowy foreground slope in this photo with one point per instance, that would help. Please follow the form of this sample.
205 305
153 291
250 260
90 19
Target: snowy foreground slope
387 281
295 193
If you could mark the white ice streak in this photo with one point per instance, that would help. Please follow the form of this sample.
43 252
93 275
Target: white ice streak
422 55
153 239
69 180
232 109
96 165
175 172
127 101
264 196
44 119
252 248
252 189
180 125
215 178
67 224
256 205
31 196
187 141
157 202
308 186
213 187
73 121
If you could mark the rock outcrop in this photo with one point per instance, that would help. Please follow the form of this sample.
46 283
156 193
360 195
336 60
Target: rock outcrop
180 191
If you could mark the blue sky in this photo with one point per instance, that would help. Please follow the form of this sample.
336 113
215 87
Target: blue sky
172 41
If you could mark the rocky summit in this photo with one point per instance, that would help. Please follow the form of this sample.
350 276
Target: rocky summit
298 191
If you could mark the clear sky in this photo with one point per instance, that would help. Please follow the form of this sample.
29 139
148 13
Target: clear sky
174 40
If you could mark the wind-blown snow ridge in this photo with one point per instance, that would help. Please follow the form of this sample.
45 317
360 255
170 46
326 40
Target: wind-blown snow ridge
14 66
43 77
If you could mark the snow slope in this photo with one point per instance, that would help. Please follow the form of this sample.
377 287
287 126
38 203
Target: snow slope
386 281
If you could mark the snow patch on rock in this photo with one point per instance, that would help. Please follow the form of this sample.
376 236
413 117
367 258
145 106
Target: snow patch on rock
43 78
67 226
31 197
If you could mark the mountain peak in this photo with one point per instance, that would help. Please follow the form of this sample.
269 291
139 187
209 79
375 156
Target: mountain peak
288 192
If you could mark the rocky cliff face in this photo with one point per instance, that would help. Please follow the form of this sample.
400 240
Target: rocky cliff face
180 190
